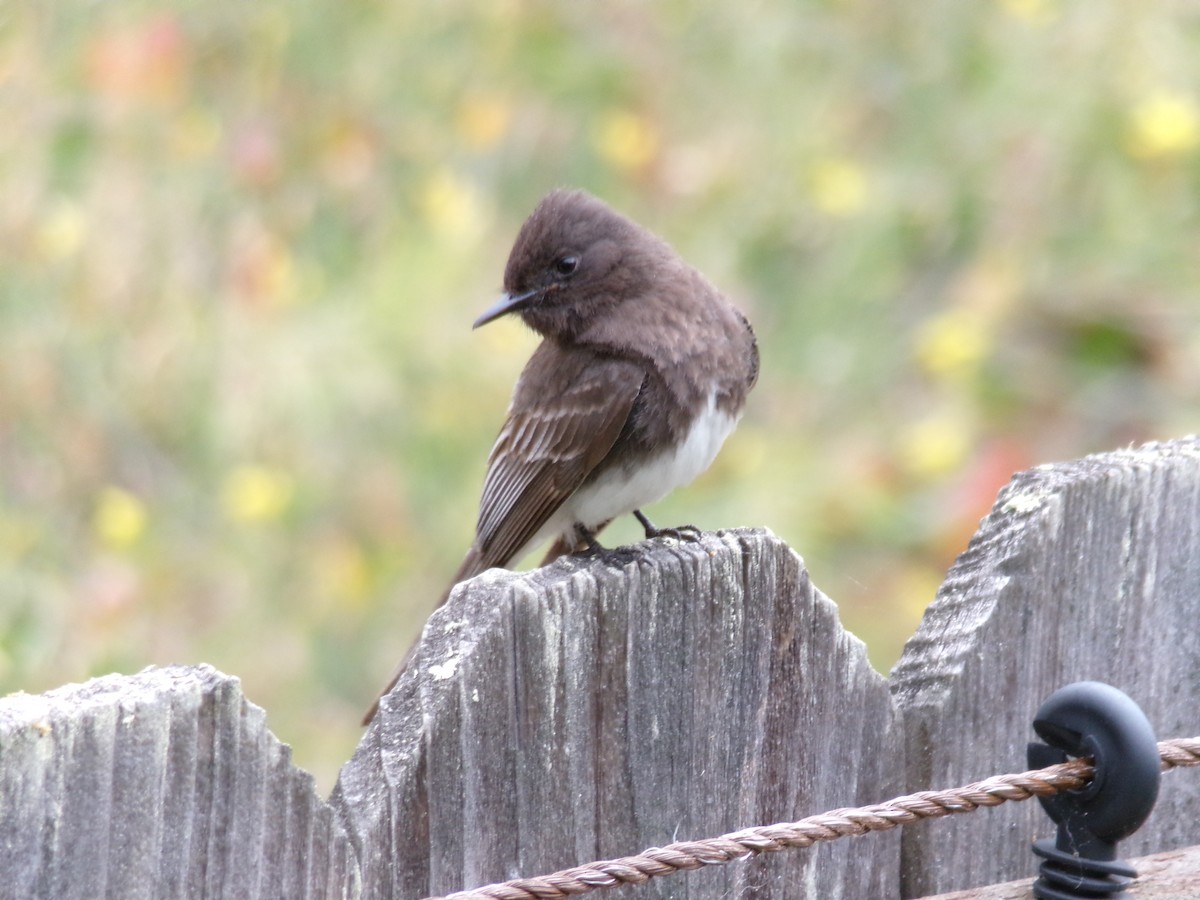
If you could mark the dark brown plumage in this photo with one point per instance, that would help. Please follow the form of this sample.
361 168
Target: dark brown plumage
643 371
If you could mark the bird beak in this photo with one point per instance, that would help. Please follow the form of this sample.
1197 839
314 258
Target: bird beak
506 304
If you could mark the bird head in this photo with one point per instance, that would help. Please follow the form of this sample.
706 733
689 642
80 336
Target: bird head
573 259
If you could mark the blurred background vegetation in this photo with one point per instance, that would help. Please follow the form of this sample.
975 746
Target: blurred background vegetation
243 418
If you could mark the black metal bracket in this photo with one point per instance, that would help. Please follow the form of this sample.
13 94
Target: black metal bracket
1092 719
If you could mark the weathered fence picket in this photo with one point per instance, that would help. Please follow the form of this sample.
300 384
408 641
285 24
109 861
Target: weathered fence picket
161 784
1088 570
586 709
600 706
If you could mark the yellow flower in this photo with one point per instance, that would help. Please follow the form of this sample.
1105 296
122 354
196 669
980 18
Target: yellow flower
119 519
953 344
62 231
934 445
195 134
626 140
451 205
277 273
1164 125
1036 12
916 586
483 120
838 187
344 572
256 494
274 29
17 537
746 453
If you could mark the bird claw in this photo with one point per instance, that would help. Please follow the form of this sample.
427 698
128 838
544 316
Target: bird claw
689 533
587 545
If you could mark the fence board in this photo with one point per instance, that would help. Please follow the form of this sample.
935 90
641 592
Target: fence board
1174 875
594 708
1083 570
160 784
588 710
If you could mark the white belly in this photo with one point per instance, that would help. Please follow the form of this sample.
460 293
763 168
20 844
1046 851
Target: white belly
620 491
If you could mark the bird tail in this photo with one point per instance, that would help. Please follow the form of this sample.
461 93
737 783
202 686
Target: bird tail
560 547
471 566
473 563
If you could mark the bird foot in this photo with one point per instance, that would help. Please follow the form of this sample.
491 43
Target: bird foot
587 545
688 533
589 548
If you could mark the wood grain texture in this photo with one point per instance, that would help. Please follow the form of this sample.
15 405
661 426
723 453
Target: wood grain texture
1083 570
1174 875
600 706
161 784
592 709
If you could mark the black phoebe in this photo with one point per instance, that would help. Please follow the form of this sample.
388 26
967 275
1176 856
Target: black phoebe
642 373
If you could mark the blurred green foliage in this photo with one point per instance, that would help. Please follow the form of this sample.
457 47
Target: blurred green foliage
243 418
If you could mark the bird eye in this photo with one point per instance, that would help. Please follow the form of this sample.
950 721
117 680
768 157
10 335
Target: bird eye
566 265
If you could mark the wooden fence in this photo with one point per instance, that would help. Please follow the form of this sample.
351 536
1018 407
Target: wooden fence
595 708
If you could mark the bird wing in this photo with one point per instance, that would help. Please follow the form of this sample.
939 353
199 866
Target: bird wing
553 438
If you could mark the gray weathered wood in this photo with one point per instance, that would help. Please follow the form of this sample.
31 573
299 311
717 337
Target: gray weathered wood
1174 875
590 710
597 707
1083 570
162 784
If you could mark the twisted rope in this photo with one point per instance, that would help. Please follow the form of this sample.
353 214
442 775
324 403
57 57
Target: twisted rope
839 823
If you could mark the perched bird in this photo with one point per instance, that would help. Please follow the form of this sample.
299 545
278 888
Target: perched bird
642 373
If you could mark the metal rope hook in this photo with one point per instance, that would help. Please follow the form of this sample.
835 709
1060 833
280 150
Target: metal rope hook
1093 719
